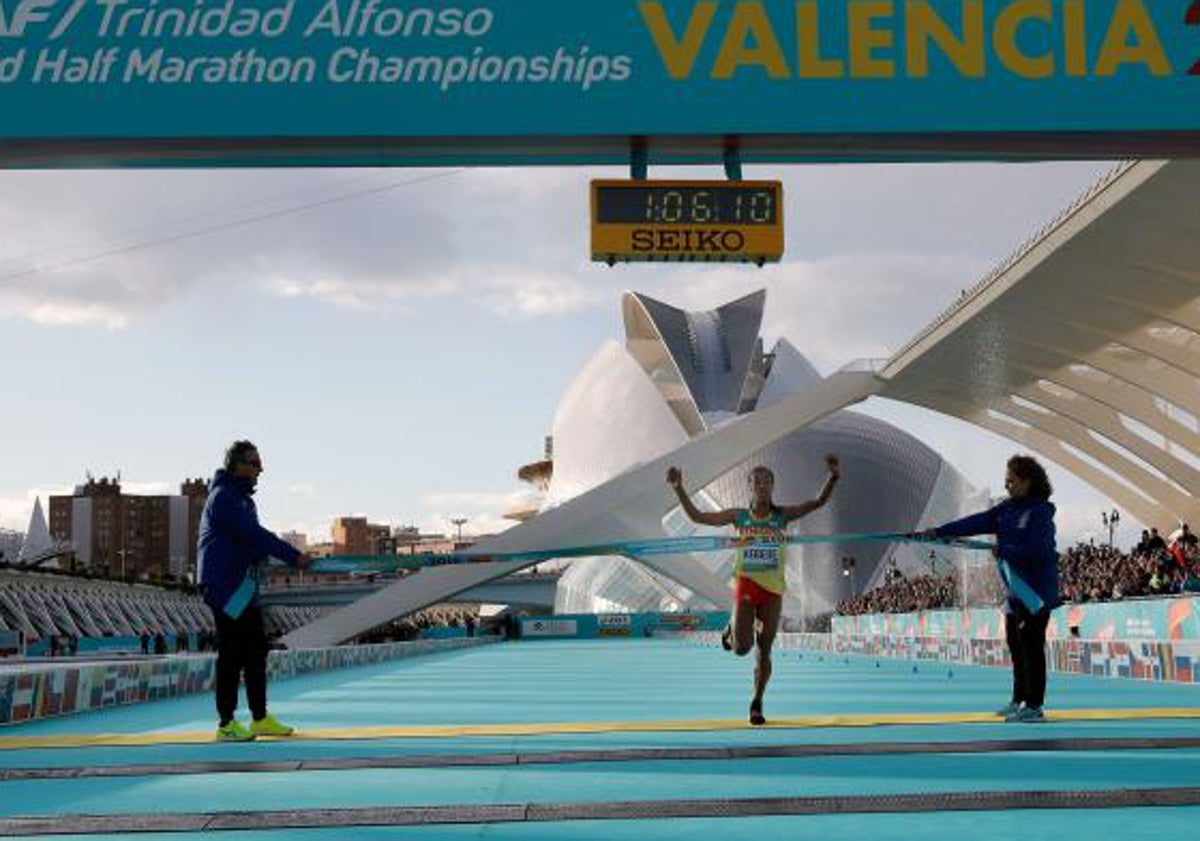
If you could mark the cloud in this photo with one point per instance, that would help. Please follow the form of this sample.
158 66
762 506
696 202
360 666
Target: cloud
382 242
547 294
504 291
153 488
372 241
16 510
59 311
483 511
370 295
84 298
842 308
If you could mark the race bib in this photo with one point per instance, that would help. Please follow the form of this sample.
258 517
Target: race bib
760 557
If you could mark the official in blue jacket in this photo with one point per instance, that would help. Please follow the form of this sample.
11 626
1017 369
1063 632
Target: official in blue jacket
233 552
1028 562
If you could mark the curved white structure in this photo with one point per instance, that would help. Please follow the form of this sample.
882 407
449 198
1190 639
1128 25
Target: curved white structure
1084 346
609 397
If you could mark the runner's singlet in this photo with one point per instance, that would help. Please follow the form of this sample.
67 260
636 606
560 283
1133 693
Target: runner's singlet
765 561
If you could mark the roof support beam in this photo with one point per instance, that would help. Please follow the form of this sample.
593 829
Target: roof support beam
1119 396
1062 432
1147 510
1168 383
1103 421
1079 436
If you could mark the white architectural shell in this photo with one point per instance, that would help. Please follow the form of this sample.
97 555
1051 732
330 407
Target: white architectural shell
684 370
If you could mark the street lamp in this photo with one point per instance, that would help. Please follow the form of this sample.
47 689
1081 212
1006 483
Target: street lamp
1110 521
459 521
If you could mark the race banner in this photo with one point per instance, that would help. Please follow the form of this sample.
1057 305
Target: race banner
571 74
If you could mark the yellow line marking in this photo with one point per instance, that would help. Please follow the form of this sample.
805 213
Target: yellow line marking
450 731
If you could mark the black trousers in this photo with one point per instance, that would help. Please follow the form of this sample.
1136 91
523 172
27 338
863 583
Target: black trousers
1025 634
241 652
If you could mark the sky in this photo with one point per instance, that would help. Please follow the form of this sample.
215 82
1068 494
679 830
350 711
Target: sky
396 341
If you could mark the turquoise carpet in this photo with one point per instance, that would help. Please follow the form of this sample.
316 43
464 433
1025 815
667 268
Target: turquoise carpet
622 681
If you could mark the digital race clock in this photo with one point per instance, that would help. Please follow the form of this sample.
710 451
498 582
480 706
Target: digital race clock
692 221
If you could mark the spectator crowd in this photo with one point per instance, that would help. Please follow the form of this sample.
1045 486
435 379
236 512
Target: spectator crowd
1087 573
905 595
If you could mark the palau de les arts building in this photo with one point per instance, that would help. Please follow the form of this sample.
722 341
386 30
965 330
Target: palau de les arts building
679 374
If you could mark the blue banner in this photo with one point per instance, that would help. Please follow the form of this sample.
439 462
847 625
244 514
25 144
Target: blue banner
627 625
282 69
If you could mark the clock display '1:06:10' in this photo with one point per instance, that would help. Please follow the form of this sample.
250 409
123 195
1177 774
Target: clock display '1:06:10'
688 206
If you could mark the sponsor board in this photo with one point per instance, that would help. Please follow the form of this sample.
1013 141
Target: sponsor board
549 628
613 625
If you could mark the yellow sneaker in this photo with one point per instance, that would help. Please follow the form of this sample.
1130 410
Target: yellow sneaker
270 726
234 731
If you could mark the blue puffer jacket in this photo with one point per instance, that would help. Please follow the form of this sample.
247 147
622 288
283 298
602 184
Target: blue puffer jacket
233 546
1024 530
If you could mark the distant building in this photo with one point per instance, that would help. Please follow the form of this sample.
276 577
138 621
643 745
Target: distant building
355 536
295 539
130 535
411 541
320 550
10 545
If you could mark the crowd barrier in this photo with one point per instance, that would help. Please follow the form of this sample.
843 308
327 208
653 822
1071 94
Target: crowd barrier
1171 619
1143 639
35 690
1149 660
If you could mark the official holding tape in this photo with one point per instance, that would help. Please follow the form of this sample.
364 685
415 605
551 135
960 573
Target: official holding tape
232 554
1028 560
